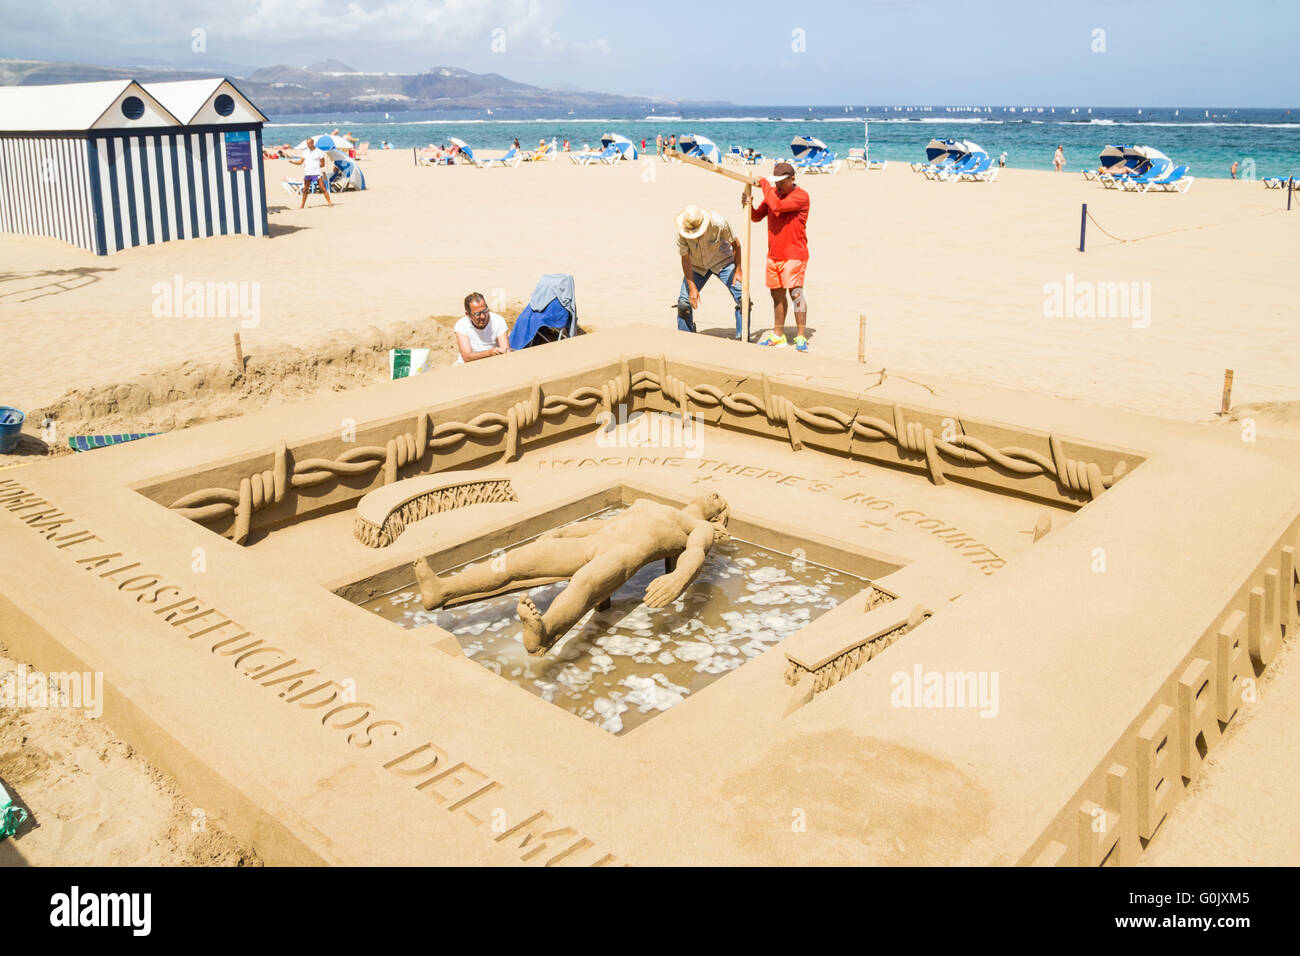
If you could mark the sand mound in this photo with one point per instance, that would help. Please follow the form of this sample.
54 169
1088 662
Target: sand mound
192 393
93 801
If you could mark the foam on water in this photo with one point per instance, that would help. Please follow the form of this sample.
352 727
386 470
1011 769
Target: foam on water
619 667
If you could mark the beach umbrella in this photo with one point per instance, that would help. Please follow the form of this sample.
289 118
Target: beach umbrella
626 147
972 149
940 150
458 142
806 145
700 146
327 141
1113 156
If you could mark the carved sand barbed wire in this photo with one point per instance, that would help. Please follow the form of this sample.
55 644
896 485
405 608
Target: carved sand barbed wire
264 489
912 437
431 502
845 663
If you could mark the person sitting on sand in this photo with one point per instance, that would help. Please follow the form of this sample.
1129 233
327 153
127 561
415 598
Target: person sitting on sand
311 161
597 557
480 333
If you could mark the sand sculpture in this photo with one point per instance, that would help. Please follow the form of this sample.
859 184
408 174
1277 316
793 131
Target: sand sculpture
214 578
384 514
597 556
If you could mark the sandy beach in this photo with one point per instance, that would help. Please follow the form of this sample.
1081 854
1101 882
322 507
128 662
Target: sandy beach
951 278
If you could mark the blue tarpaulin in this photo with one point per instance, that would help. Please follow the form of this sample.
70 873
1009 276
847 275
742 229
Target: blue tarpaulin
552 306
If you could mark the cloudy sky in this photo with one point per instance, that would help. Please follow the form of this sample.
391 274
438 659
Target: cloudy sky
1152 52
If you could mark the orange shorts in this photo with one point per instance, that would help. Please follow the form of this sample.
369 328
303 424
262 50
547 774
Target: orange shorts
785 273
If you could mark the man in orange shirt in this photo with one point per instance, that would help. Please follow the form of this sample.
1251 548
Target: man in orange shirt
785 207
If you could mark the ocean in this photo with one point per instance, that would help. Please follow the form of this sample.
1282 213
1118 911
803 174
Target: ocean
1265 142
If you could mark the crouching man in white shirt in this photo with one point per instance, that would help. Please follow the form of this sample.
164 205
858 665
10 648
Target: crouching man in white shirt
480 334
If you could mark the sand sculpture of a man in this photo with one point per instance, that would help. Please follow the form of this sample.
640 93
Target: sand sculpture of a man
597 556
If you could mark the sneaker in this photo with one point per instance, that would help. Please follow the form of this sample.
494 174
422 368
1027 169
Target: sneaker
773 341
801 343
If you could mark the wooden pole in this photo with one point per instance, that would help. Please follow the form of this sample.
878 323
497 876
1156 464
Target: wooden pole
862 338
1227 392
746 259
239 355
720 170
1083 226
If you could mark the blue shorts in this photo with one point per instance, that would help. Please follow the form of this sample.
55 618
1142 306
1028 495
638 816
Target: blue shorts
310 179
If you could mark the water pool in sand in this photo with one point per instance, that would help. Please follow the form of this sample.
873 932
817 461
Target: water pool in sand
619 667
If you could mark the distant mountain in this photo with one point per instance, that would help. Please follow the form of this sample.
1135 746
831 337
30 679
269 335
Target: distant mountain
332 86
331 66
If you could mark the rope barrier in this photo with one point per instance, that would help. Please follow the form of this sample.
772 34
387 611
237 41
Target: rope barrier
1170 232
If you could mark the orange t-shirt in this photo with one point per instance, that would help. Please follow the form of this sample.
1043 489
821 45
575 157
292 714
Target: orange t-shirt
787 220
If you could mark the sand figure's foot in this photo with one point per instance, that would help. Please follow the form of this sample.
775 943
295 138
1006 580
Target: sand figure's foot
431 592
535 642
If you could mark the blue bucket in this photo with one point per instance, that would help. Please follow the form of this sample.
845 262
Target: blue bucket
11 425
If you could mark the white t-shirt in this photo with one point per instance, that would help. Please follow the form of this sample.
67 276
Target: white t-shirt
311 161
484 339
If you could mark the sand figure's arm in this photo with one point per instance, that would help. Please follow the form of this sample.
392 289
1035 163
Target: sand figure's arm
664 589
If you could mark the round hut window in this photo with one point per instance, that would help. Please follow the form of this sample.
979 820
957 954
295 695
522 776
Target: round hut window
133 107
225 104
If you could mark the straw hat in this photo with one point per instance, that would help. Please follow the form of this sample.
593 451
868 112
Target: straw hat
692 222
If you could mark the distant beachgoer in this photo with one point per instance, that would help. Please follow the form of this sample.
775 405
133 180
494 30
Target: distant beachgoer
659 143
516 143
1233 172
785 207
1002 160
672 142
480 333
1059 159
311 161
707 246
566 145
643 144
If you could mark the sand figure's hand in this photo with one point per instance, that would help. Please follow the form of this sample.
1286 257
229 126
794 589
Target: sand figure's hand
664 589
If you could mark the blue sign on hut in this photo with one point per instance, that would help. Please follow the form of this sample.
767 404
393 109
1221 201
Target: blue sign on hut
114 164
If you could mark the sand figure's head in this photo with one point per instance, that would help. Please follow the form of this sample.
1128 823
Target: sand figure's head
713 509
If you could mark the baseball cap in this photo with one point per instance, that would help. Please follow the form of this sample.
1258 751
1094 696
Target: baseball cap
782 171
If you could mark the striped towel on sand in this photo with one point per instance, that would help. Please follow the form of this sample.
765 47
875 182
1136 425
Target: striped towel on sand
87 442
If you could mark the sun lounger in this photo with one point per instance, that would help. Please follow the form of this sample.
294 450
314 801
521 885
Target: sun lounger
1276 182
1176 180
511 158
976 172
363 150
857 159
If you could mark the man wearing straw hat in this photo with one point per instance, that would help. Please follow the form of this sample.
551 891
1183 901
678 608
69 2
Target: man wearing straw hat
707 247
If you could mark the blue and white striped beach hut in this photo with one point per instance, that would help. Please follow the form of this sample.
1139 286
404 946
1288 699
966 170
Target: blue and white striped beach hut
115 164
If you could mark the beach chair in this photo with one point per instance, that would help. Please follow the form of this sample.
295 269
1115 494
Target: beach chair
1275 182
943 171
827 163
857 159
735 155
511 158
974 172
363 150
1175 181
1139 181
550 315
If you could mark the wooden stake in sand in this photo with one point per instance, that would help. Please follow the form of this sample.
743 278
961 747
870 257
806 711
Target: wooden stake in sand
1227 392
746 201
239 355
862 338
1083 225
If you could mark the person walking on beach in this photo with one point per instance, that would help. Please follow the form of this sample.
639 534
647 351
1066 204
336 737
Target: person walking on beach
785 207
311 161
1059 159
659 144
708 247
480 333
1233 172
